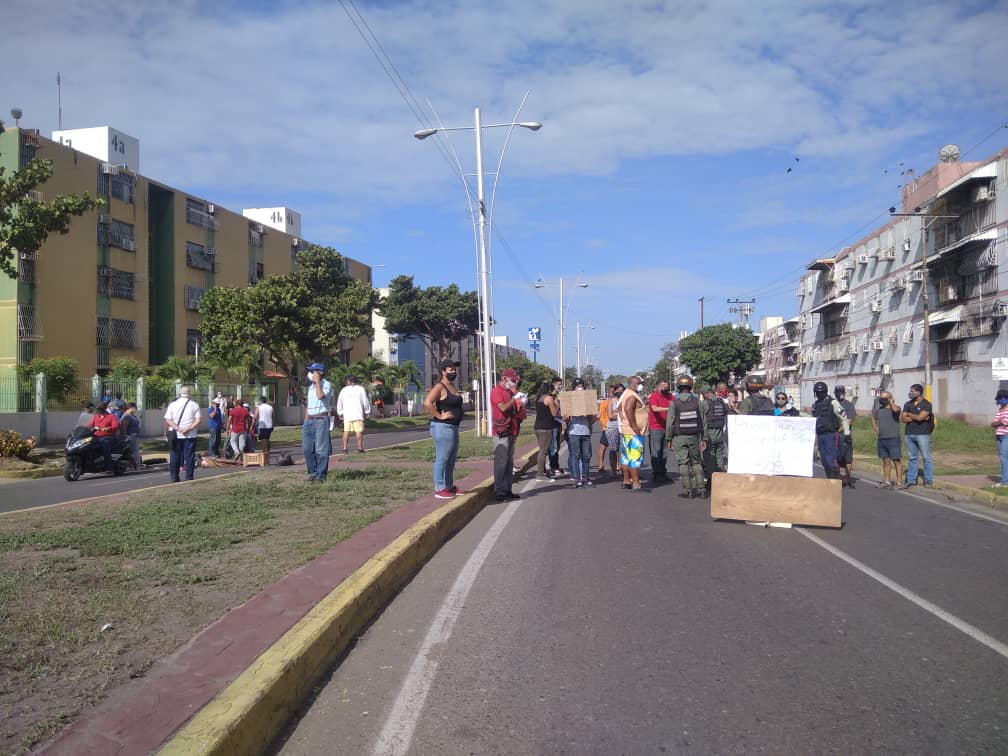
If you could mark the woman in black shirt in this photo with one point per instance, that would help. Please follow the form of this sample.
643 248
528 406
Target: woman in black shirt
547 410
444 403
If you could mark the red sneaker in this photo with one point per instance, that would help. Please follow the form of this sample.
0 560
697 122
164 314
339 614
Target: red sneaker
444 494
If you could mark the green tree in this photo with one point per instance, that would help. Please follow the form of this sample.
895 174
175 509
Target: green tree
532 373
403 376
369 368
440 313
591 375
301 316
714 352
175 368
615 378
224 345
60 372
25 224
125 369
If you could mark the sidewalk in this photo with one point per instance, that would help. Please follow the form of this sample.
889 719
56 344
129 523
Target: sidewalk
261 659
969 486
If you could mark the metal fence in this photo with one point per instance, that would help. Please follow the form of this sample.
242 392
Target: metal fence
16 395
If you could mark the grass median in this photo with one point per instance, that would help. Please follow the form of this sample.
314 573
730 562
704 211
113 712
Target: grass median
92 596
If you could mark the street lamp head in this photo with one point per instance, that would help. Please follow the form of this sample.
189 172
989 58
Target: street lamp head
583 285
424 133
892 210
531 125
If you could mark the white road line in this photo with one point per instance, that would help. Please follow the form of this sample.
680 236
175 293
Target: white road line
961 625
956 509
397 734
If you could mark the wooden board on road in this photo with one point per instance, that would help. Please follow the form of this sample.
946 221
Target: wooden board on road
777 498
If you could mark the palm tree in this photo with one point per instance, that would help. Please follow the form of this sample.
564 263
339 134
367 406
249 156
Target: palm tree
370 368
177 368
402 376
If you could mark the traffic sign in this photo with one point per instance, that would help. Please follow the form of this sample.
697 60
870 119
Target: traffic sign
999 368
534 334
534 346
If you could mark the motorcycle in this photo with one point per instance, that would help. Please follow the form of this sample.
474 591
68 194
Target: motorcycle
85 455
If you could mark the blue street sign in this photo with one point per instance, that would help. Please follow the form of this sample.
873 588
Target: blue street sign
534 334
534 346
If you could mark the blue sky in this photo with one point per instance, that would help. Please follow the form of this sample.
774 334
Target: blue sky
660 174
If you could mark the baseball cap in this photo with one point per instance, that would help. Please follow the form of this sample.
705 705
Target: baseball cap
449 363
579 382
316 366
511 373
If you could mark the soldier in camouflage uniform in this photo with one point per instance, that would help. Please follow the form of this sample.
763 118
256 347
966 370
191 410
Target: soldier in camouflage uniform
684 429
714 417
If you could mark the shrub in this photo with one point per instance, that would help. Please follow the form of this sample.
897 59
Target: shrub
60 373
12 445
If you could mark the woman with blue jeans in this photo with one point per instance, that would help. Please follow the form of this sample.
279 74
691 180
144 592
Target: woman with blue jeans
579 440
444 403
1000 426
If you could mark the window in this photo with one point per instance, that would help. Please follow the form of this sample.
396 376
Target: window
26 267
256 272
116 332
192 340
193 297
200 257
834 328
116 283
951 353
198 214
116 233
117 183
255 236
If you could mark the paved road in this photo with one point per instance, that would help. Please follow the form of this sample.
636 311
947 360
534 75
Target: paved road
615 622
24 494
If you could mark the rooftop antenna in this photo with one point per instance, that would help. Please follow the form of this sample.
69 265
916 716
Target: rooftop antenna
16 114
59 100
949 153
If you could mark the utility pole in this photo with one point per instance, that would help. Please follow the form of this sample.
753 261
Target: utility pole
744 308
701 312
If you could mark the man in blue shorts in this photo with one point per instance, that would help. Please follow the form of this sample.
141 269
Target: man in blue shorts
885 419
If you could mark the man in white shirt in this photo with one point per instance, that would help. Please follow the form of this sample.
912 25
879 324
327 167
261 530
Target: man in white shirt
263 422
316 442
183 416
352 406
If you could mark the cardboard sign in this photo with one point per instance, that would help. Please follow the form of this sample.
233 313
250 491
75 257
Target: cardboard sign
575 403
771 445
799 501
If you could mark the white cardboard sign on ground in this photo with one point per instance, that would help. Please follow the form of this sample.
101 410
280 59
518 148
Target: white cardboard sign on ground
771 445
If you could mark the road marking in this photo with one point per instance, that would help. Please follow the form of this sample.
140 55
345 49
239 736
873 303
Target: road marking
956 509
397 733
961 625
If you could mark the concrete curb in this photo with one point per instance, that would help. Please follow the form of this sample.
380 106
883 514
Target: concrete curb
247 716
976 494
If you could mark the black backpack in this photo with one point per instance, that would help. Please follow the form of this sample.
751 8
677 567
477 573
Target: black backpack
761 405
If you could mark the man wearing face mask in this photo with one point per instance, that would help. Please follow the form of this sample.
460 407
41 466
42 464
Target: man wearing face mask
885 419
506 403
1000 426
684 431
919 418
315 439
830 420
554 450
632 427
658 408
845 445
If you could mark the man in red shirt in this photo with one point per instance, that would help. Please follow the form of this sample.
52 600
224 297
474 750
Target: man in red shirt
237 428
106 427
658 404
508 405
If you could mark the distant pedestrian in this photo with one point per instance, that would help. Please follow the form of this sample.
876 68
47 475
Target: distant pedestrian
547 409
262 422
315 439
830 422
783 406
632 427
1000 426
579 428
378 402
609 441
885 419
658 414
237 427
117 406
444 403
506 404
129 426
732 402
85 418
352 406
685 429
918 415
215 421
554 451
183 417
845 449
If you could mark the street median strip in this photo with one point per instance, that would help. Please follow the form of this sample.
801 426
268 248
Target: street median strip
247 716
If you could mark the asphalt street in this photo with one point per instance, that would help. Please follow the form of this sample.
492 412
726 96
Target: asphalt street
25 494
617 622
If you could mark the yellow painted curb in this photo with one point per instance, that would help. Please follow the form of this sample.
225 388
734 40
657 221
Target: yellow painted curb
247 716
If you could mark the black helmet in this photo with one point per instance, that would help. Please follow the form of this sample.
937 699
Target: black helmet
684 382
754 383
839 392
820 389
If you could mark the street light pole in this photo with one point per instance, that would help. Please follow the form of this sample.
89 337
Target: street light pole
560 351
484 277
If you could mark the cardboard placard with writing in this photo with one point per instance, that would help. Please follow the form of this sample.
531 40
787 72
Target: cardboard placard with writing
575 403
771 445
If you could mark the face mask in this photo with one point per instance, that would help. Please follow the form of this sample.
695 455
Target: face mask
666 392
723 393
1002 402
883 402
558 387
781 400
913 395
451 375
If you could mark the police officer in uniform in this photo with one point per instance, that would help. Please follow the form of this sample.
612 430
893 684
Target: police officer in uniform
755 403
714 419
684 429
830 419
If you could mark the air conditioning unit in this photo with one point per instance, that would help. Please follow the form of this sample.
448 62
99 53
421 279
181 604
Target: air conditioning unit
981 194
33 195
951 292
878 346
875 393
854 391
104 271
886 368
908 336
104 220
109 169
259 228
917 275
888 254
211 251
129 245
295 242
1000 310
896 284
906 245
866 347
852 348
211 209
894 338
863 259
843 284
875 305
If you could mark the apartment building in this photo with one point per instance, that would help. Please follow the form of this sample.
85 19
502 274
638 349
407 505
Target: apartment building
936 274
128 280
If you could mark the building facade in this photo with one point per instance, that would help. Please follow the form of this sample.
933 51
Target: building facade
936 274
128 280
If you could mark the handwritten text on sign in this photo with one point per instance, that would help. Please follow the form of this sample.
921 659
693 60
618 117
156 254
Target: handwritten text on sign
768 445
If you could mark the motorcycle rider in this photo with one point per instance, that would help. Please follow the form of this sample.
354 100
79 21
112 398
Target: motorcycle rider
106 427
830 420
684 429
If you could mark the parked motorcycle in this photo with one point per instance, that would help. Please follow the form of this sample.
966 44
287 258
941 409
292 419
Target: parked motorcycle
85 455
